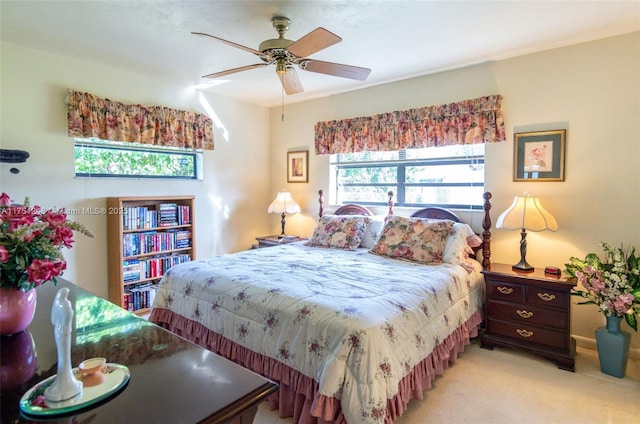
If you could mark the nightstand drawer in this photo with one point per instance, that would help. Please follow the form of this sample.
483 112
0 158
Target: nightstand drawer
543 297
527 314
528 333
529 310
506 292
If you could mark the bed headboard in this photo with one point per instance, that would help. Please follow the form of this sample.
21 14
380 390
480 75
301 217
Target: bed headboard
436 213
433 213
353 209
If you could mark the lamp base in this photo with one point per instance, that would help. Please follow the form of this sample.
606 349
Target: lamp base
282 222
522 266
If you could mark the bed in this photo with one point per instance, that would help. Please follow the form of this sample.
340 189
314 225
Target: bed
351 334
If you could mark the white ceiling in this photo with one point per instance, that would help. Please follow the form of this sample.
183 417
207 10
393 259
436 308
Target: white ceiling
397 39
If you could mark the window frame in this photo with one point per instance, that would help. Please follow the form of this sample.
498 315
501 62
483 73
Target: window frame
195 155
400 186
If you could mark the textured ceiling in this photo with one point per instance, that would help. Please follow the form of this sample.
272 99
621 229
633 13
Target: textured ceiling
396 39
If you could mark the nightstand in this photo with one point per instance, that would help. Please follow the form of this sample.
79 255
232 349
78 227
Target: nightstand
529 310
270 241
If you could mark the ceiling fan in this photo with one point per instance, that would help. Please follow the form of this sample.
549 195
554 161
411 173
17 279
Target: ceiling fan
286 53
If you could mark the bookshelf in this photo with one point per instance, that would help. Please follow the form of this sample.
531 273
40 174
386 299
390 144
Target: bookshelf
146 236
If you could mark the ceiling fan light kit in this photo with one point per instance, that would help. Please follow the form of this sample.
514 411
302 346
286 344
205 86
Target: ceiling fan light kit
281 66
287 53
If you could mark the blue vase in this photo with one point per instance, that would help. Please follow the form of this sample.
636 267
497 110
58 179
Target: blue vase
613 347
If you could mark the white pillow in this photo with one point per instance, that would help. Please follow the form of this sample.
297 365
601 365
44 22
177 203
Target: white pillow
459 244
373 231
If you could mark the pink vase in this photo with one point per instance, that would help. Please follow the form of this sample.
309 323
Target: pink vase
16 309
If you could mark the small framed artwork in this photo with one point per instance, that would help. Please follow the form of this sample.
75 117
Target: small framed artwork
539 156
298 167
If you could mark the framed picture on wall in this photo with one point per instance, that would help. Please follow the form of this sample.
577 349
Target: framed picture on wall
539 156
298 167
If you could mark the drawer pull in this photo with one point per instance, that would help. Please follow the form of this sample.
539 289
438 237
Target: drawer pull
524 314
524 333
546 296
505 290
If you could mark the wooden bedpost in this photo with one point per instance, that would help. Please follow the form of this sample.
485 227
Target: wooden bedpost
321 202
486 234
390 202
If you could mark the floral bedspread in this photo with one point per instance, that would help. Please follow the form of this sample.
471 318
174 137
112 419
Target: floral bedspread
355 322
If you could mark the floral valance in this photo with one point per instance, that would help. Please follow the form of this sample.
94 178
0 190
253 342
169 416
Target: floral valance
466 122
91 116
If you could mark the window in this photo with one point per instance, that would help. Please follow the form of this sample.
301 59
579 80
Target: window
449 176
100 158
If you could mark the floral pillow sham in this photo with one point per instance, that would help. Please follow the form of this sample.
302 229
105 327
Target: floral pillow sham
414 239
339 231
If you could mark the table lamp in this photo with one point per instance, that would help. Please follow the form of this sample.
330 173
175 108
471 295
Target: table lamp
526 213
283 203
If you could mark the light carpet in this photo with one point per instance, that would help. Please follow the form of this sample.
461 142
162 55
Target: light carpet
508 386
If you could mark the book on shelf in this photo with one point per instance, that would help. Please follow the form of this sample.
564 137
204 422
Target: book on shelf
183 239
140 296
172 214
151 241
155 267
139 218
168 214
184 215
131 270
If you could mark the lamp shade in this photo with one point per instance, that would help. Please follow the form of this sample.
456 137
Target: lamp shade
527 213
284 203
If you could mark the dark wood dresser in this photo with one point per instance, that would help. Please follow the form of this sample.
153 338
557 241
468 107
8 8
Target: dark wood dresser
529 310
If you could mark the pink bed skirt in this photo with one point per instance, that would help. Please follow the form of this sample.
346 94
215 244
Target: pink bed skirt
298 395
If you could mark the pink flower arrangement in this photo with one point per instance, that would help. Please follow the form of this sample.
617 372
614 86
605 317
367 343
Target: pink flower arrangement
612 284
30 243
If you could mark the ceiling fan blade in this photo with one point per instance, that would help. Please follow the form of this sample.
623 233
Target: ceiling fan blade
230 43
290 82
336 69
234 70
314 41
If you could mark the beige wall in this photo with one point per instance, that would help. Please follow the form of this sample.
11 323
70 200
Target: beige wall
229 201
592 90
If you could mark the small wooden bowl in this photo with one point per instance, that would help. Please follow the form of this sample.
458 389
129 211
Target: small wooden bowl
91 366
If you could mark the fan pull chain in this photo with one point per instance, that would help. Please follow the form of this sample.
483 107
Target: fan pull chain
282 91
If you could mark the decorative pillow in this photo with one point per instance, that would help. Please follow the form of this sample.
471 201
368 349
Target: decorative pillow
372 233
474 240
341 231
460 243
414 239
